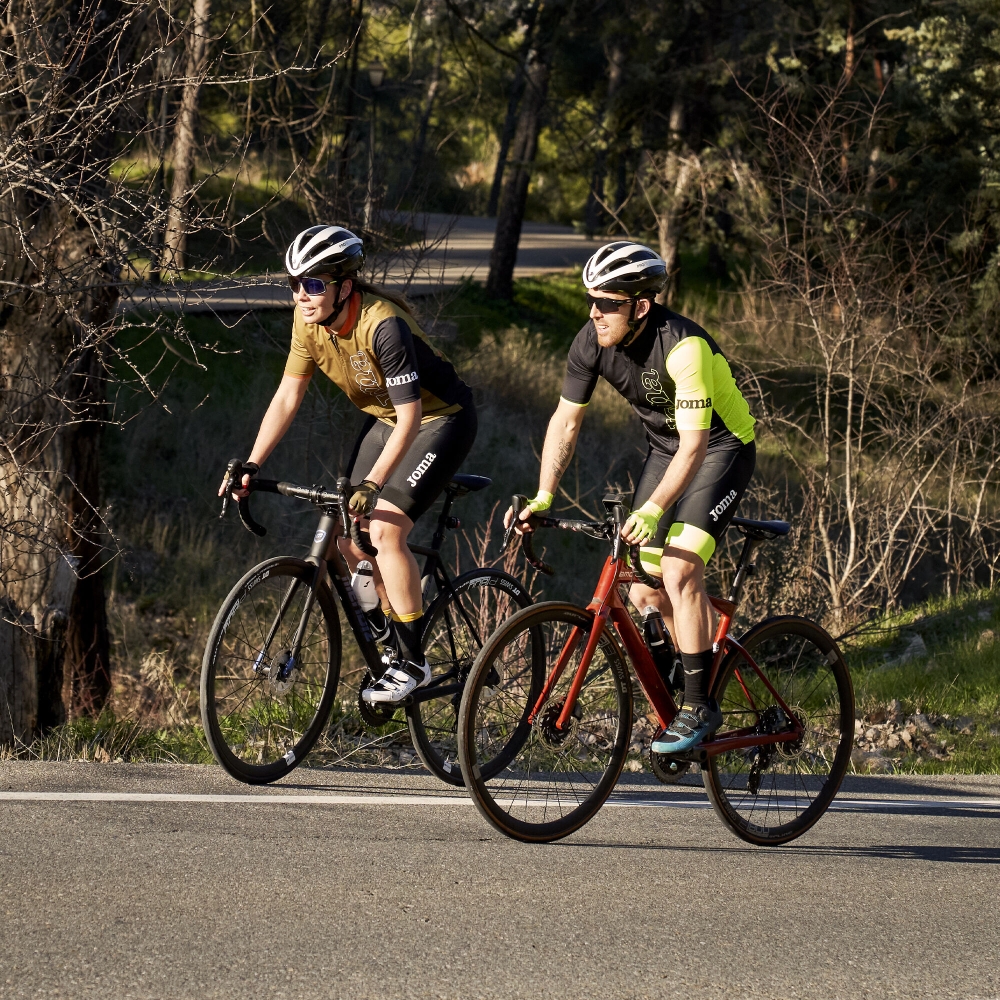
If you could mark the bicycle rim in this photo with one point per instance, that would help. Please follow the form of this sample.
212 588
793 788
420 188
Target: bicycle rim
458 623
261 718
771 794
533 781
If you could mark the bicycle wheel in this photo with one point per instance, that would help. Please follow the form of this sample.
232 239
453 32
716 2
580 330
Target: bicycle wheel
457 624
260 718
771 794
533 781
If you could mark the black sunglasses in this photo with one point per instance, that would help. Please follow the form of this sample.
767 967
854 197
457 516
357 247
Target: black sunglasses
606 305
312 286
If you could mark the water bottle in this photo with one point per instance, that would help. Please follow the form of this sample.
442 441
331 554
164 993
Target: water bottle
658 641
363 585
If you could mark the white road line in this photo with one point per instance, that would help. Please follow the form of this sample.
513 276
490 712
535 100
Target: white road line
377 799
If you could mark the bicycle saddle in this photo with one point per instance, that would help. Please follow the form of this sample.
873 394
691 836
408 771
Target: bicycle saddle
461 484
762 527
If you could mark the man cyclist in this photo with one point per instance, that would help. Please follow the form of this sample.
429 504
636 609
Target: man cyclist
700 459
421 420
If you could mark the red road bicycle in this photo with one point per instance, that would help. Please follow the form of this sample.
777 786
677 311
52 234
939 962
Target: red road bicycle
550 691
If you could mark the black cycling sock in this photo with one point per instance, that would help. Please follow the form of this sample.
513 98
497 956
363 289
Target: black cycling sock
409 639
697 670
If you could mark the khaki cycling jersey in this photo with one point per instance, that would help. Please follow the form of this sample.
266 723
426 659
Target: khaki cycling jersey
380 359
674 376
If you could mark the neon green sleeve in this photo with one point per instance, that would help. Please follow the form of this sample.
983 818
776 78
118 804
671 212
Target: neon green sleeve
689 364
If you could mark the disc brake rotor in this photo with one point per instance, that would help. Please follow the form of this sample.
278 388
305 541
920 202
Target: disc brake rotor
545 724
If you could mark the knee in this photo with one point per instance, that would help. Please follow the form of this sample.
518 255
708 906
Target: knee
386 535
683 577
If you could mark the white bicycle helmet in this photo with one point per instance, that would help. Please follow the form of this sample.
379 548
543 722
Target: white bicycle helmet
329 250
624 267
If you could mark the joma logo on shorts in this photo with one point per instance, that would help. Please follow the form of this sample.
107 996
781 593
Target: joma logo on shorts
722 505
694 404
415 475
402 379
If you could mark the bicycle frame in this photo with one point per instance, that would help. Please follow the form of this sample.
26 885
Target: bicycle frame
607 605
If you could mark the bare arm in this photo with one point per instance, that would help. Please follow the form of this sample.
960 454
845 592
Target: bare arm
557 450
405 432
280 414
560 443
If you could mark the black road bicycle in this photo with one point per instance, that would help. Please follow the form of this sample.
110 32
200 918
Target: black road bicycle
272 663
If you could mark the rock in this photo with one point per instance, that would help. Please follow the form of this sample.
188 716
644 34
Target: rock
893 741
985 614
923 723
906 737
964 724
874 763
914 648
633 765
986 639
405 757
877 717
858 727
896 711
871 734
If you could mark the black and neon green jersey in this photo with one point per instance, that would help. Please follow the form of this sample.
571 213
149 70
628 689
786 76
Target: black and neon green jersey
674 376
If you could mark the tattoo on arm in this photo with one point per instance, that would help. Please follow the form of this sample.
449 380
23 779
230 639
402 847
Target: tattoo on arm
563 454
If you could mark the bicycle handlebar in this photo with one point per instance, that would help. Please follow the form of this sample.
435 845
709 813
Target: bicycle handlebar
315 495
608 529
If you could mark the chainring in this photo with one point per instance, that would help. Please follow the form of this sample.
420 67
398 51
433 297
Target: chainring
378 714
667 769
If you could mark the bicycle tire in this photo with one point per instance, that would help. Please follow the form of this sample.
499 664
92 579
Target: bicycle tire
458 622
261 726
541 792
771 795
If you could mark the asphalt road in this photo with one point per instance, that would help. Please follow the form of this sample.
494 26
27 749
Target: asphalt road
454 248
161 881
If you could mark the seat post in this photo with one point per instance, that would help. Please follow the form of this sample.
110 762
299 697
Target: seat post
438 540
744 568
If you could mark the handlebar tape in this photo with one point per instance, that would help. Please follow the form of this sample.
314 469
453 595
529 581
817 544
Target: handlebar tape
352 527
639 573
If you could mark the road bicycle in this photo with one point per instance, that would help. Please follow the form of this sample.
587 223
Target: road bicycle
562 716
272 662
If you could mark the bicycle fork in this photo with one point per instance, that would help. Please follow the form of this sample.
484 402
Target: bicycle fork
327 524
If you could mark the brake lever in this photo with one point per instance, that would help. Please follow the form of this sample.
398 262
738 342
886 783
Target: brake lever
517 502
234 473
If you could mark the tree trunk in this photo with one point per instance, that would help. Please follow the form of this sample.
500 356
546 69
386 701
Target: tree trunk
350 88
182 156
607 130
425 118
60 293
510 121
678 175
500 283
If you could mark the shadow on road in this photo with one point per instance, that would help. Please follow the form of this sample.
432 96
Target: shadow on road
888 852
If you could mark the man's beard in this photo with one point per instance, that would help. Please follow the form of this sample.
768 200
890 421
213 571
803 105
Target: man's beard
611 339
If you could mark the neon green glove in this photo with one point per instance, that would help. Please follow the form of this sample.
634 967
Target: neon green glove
541 501
642 522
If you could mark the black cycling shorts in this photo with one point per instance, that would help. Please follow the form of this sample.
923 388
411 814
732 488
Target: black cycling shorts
700 517
435 456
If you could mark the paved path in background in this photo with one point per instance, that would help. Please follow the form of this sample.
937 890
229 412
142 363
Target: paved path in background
160 881
458 247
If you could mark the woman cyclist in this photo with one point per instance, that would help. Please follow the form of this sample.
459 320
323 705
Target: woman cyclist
421 420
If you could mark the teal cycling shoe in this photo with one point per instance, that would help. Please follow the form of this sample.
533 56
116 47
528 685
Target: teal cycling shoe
689 728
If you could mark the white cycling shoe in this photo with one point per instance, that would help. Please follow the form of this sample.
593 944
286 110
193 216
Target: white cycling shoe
401 678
